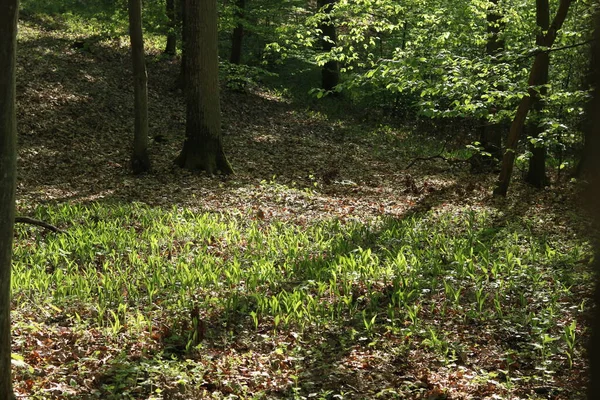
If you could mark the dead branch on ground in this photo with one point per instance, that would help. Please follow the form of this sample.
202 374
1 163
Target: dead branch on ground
37 222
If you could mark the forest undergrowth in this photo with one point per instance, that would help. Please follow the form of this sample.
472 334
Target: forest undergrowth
324 268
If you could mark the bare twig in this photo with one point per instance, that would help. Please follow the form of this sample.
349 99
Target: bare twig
413 162
439 155
570 46
537 50
531 53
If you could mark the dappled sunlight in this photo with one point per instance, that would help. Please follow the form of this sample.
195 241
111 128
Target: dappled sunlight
352 254
368 303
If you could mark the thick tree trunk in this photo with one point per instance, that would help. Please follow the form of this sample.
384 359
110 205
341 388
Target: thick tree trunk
238 33
593 172
171 46
330 75
140 162
203 148
591 142
9 10
587 154
537 72
536 174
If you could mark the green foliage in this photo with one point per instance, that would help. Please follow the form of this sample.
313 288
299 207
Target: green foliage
429 59
241 78
423 57
99 17
122 268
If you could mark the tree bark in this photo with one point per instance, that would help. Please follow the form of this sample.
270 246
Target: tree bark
591 136
330 74
593 172
140 162
202 148
9 10
171 47
537 71
238 33
536 174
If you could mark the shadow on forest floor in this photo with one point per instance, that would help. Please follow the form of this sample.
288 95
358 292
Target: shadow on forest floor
75 126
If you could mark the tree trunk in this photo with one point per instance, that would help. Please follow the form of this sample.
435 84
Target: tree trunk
536 174
593 171
537 72
140 162
202 148
591 135
587 153
171 46
491 133
491 138
238 33
330 75
9 10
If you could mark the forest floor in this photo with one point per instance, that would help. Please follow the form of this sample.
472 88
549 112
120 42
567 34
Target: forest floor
299 167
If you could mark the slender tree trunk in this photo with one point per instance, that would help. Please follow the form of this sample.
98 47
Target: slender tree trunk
171 46
203 148
537 71
331 70
492 137
9 10
238 33
140 162
537 163
593 172
491 133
